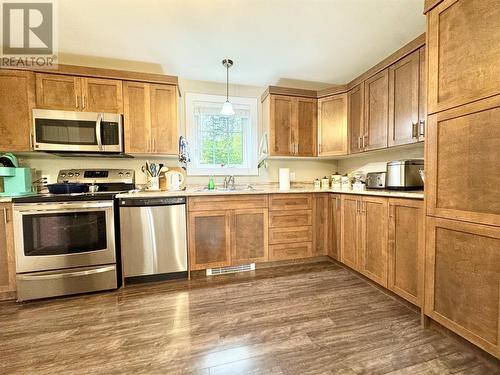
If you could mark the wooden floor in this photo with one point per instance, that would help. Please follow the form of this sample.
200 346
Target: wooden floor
303 319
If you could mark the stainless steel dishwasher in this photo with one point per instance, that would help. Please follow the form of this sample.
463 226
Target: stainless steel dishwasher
153 238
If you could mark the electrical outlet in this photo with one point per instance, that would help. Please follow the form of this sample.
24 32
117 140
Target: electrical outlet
45 179
292 176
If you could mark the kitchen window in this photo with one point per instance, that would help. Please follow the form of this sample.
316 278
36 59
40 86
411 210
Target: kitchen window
221 145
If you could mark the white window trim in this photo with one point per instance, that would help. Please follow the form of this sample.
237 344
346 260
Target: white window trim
251 147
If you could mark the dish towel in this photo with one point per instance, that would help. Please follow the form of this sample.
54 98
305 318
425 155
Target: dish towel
183 151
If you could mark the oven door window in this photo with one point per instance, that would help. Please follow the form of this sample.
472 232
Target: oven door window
64 233
66 132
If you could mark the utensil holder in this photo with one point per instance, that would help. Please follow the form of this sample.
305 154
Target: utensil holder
153 183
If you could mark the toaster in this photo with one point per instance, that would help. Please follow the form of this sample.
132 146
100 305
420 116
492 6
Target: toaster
375 180
404 174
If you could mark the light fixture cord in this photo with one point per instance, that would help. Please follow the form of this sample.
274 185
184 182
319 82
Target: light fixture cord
227 82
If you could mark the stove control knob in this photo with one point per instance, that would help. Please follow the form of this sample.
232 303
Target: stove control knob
120 174
127 174
63 174
77 174
70 174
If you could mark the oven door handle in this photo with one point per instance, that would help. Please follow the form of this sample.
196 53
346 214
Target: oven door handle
65 274
63 207
98 131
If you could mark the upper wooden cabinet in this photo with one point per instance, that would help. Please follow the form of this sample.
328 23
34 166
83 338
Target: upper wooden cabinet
7 257
463 163
406 114
71 93
376 108
463 41
292 123
406 249
356 118
462 287
332 125
150 118
17 99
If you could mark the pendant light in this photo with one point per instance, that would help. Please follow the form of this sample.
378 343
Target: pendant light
227 108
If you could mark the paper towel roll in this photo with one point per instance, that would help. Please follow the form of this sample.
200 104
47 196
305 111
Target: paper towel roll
284 174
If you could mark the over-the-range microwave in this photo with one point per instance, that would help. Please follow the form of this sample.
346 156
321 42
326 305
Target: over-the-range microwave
68 131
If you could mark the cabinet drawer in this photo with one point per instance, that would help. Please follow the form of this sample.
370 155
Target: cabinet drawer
227 203
291 218
290 201
290 251
290 235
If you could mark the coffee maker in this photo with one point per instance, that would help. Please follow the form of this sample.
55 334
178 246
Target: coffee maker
16 181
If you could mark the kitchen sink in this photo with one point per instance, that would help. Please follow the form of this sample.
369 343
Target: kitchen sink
228 190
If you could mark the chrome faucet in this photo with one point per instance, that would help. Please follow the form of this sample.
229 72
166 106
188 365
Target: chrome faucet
229 182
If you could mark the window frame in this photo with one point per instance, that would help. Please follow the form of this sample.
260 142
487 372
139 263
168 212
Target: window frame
250 148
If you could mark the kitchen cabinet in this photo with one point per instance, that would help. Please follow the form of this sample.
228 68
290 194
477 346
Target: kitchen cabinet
150 118
405 100
462 163
374 235
334 225
7 258
320 224
72 93
406 249
376 111
249 230
356 118
224 231
332 125
292 123
364 235
209 239
290 251
17 99
351 227
463 64
462 289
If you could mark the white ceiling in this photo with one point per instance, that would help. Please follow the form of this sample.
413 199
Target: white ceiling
313 40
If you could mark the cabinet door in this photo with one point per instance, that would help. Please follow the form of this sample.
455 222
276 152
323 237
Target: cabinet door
376 111
462 289
334 226
349 254
305 127
7 259
374 230
280 127
164 126
57 91
137 117
102 95
209 239
356 118
404 78
406 249
320 224
332 125
17 99
249 236
463 41
462 163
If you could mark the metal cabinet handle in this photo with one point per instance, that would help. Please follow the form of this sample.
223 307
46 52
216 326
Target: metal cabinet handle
359 143
365 141
77 101
422 128
337 202
5 215
83 102
296 148
414 130
154 144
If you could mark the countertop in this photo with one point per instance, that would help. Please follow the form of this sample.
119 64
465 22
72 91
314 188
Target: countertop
270 189
5 199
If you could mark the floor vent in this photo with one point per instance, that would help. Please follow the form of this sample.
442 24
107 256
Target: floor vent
230 269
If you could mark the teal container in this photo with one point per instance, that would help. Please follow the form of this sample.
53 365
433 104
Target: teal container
16 181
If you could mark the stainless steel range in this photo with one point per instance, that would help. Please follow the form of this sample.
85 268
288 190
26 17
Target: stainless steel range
66 243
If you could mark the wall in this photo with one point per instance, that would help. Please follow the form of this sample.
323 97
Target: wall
375 161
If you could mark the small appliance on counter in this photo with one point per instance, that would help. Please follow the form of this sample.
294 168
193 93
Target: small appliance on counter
284 178
404 174
16 181
376 180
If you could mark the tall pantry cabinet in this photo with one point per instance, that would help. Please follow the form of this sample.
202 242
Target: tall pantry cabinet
462 290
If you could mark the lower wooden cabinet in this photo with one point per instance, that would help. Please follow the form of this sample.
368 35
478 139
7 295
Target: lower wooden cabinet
350 227
290 251
320 224
249 242
334 227
7 258
462 286
220 238
406 249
